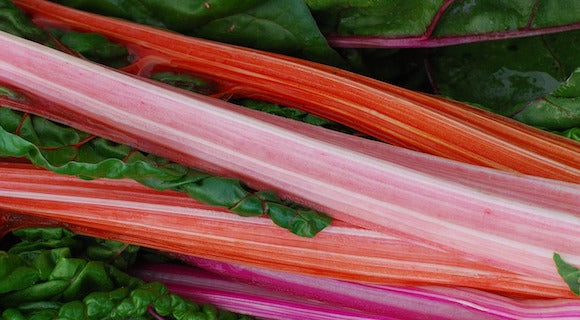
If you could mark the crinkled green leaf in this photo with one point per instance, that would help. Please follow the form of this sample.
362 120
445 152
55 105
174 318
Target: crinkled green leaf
76 287
284 26
15 274
45 260
70 279
569 273
14 21
43 247
40 307
573 133
118 254
92 277
81 289
68 151
46 244
556 111
42 235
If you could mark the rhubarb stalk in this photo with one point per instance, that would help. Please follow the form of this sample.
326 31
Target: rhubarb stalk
396 115
127 211
351 185
400 302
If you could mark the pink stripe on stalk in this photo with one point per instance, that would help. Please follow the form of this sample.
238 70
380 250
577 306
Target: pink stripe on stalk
409 303
204 287
399 302
492 227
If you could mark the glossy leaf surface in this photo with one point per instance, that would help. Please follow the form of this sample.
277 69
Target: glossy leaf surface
559 110
416 23
505 76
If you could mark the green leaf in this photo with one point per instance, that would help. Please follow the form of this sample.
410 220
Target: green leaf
68 151
131 10
36 239
573 133
15 274
569 273
42 234
186 81
40 291
483 16
413 18
375 17
94 47
49 308
12 314
74 310
78 288
118 254
515 78
292 113
486 16
558 110
502 74
84 277
284 26
45 260
14 21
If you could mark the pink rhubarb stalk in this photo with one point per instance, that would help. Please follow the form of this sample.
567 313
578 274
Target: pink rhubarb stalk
205 287
399 302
